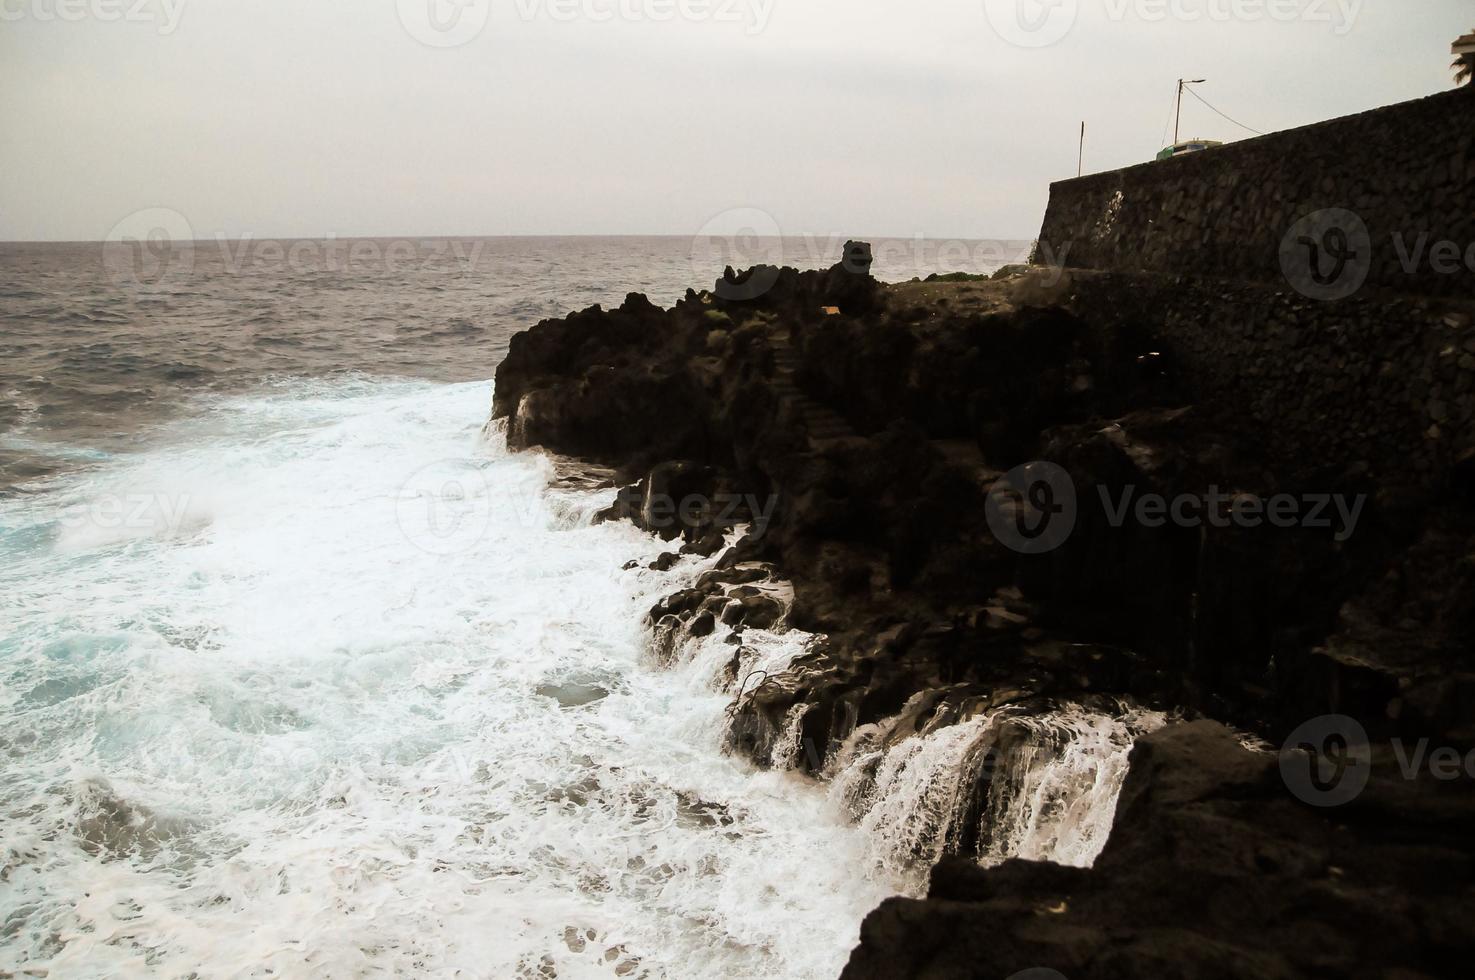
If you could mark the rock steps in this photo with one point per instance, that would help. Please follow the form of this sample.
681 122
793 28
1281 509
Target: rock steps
824 425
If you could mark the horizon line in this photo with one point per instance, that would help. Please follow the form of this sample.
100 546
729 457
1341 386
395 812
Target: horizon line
343 238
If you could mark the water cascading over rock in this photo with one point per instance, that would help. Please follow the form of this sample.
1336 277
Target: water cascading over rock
1002 784
1036 781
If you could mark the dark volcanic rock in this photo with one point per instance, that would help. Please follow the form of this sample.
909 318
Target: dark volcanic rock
703 625
864 450
664 561
1213 870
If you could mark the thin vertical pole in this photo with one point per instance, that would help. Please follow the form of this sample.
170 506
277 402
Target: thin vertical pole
1178 115
1081 159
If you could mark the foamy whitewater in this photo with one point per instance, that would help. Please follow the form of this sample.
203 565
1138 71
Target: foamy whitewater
285 715
303 673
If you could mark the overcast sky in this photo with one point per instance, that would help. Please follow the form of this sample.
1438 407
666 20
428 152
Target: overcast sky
944 118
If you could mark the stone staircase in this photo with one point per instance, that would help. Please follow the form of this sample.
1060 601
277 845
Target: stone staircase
824 425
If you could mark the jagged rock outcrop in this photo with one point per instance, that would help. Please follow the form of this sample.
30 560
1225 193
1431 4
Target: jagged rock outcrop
881 519
864 431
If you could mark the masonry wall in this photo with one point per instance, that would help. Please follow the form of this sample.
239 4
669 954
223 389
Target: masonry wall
1382 386
1351 355
1232 212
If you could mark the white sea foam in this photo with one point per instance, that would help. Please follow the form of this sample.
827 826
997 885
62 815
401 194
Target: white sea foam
1054 796
1046 792
352 690
300 729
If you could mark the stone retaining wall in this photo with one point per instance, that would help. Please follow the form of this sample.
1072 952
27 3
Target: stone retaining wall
1383 385
1386 198
1320 279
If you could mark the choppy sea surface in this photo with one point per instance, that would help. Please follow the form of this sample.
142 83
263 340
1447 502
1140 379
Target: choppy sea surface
302 672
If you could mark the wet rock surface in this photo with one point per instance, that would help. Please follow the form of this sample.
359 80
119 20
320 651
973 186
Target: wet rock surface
866 437
1212 870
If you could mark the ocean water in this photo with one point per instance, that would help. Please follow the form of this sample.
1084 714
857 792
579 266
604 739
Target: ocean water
99 343
302 672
